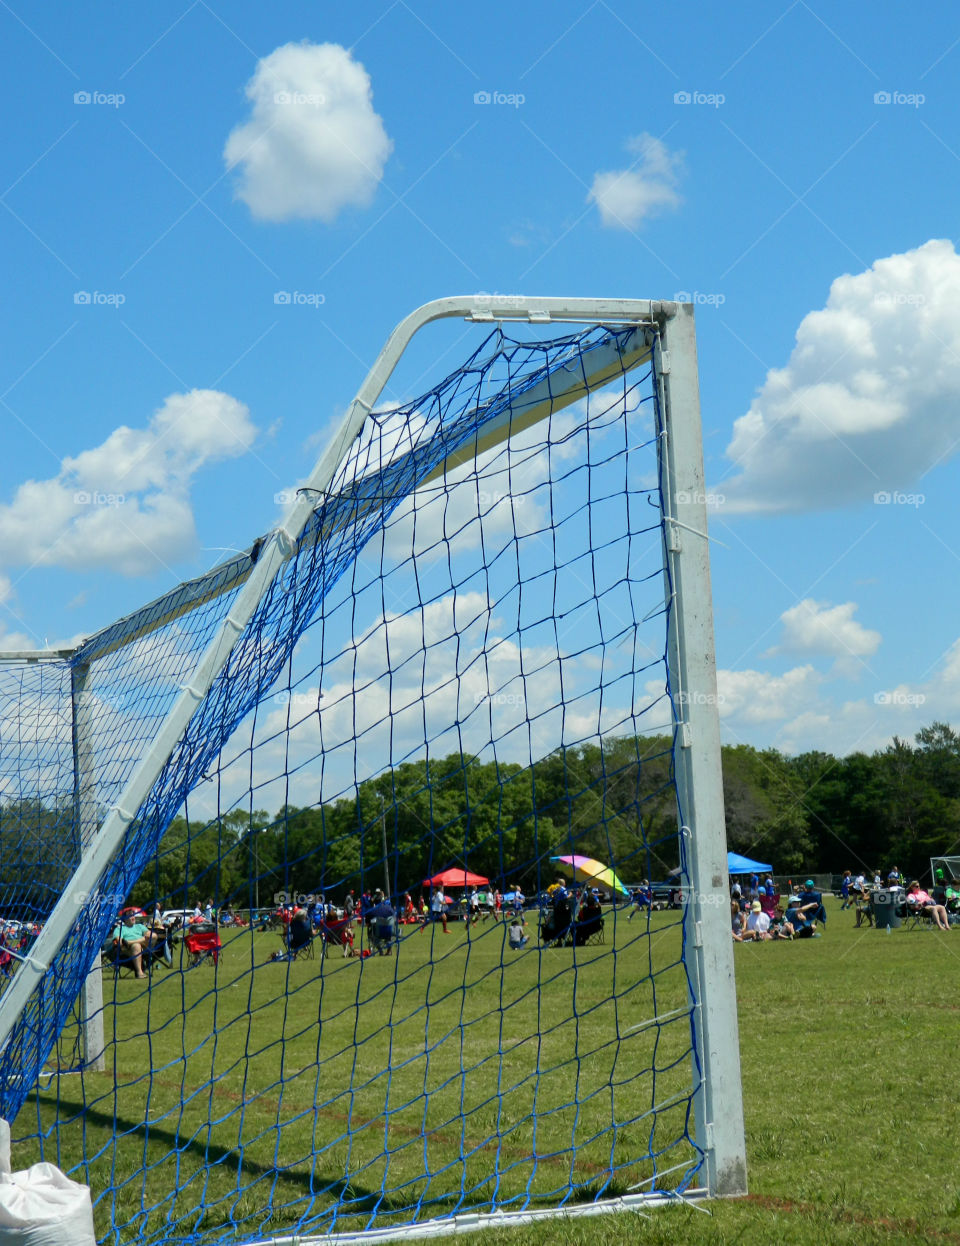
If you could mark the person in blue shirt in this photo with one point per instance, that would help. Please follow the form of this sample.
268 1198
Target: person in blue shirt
812 901
800 918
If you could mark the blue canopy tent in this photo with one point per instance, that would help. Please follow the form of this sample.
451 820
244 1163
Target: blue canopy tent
743 865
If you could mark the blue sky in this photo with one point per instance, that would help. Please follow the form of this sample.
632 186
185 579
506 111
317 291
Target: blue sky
793 169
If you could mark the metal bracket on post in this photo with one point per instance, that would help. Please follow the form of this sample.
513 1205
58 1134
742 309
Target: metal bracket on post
85 823
719 1122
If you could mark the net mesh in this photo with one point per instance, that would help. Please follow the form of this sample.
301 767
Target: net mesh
455 690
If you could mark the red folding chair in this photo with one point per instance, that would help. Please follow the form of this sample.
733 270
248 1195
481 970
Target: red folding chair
202 945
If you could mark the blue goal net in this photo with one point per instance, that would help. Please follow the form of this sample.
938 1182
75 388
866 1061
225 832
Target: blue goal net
392 931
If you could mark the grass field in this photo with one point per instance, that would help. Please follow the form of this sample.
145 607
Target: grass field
847 1044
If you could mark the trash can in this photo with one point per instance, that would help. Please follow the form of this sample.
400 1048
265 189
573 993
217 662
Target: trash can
885 903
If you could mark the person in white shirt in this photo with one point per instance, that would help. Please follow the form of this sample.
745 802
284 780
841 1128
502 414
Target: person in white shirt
758 924
438 908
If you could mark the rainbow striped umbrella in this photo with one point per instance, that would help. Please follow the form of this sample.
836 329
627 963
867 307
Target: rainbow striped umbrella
589 871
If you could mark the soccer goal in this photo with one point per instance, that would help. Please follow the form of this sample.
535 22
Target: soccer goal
474 657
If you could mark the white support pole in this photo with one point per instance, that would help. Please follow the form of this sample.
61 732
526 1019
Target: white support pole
717 1101
85 822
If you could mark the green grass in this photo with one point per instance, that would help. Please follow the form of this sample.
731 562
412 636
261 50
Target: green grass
847 1044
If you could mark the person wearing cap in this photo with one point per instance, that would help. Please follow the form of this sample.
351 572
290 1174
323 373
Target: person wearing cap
758 924
812 901
800 920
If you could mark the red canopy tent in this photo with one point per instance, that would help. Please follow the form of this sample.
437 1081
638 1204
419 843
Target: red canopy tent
456 878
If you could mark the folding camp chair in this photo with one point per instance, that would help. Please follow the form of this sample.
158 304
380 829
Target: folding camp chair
917 917
383 935
203 944
588 931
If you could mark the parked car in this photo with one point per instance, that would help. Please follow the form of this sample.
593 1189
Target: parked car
176 918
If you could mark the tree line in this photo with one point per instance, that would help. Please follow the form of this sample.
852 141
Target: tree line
614 801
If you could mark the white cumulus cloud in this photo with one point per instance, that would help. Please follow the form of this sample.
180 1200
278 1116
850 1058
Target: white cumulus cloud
626 197
125 504
313 144
815 627
868 400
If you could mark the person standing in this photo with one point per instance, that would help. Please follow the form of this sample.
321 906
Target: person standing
845 885
438 908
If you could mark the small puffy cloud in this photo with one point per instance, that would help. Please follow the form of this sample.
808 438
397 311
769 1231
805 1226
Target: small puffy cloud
626 197
125 504
313 144
867 402
817 628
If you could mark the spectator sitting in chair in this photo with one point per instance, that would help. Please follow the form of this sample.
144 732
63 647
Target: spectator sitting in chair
589 918
922 900
132 938
382 924
299 931
555 929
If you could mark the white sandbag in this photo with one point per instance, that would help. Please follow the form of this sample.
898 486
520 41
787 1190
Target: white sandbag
40 1206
